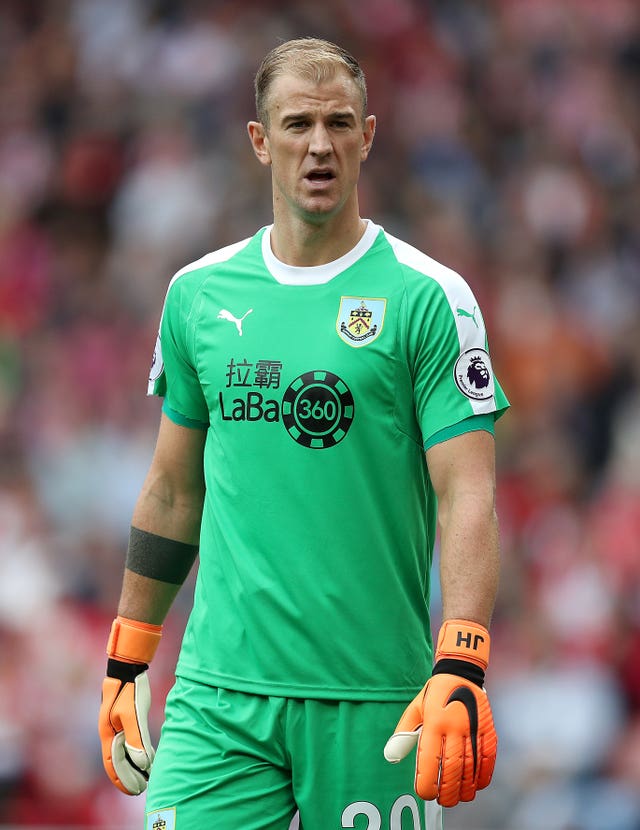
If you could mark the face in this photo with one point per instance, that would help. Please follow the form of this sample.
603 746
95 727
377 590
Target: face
315 143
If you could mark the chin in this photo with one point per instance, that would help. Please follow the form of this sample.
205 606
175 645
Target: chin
319 211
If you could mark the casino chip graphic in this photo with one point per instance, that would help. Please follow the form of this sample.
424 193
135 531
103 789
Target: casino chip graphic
317 410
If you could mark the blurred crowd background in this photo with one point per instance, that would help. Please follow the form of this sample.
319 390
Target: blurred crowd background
508 147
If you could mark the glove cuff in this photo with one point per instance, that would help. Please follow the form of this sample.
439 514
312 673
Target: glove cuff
464 640
126 672
461 668
132 641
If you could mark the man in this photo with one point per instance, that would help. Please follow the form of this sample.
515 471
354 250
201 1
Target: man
326 388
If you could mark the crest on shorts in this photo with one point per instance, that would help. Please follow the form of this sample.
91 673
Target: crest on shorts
360 319
161 819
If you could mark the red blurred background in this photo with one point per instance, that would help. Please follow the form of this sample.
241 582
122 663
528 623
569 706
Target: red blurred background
508 148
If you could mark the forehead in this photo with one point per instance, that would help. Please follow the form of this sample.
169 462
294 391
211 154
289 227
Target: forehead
294 93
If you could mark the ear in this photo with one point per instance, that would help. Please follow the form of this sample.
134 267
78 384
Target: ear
367 136
259 141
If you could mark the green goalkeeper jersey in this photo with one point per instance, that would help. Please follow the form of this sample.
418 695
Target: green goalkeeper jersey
320 389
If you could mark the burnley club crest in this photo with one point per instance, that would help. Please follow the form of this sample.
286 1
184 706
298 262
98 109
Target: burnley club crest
360 320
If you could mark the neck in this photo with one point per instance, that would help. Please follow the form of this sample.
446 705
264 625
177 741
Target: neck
296 241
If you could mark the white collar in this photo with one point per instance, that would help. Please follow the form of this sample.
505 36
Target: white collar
315 274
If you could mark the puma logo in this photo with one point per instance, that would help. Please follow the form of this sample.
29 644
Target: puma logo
223 314
461 312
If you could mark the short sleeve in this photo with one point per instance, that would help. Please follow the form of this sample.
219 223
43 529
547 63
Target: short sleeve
452 372
174 374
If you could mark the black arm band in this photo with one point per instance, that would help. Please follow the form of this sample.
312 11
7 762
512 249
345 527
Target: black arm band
463 668
158 557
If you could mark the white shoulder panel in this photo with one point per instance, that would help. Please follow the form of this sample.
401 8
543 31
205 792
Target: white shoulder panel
221 255
455 288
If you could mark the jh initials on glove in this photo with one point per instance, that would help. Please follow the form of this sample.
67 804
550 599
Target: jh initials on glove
451 720
127 752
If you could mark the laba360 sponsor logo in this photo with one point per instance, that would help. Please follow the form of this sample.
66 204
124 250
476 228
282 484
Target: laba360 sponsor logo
316 408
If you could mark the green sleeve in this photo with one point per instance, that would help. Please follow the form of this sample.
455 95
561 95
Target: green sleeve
473 424
177 378
443 345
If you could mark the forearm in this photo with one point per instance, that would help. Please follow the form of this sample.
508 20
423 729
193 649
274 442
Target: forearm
469 557
145 599
160 509
162 548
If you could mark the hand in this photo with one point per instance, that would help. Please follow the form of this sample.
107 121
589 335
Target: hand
127 751
451 720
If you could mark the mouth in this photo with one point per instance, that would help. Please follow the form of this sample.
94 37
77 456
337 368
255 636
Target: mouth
320 176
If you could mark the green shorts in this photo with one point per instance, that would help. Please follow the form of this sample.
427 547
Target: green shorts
235 761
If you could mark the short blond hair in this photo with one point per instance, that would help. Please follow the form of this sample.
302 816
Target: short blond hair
308 57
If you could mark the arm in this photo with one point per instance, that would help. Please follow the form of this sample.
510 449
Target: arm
162 548
462 471
169 506
451 719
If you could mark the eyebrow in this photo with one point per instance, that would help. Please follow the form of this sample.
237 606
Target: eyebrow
347 115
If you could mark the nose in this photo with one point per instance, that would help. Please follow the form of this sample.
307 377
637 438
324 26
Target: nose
320 141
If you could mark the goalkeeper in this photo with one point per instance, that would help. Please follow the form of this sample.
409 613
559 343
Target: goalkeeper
328 400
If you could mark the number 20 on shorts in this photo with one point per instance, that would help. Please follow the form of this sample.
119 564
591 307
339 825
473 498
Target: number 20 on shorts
404 809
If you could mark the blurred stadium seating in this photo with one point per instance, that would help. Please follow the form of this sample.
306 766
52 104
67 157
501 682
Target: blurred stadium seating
508 147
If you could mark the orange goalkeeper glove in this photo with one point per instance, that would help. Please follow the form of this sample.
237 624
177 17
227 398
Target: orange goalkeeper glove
127 752
451 720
